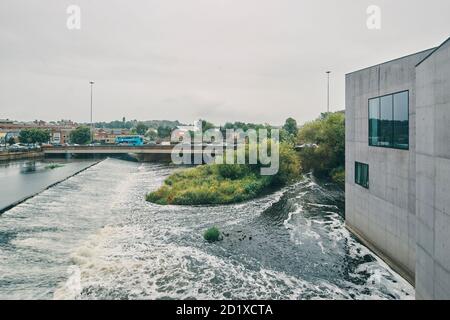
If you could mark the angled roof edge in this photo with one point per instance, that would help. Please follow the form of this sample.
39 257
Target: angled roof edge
432 52
392 60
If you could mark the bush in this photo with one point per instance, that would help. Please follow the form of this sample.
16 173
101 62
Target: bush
233 171
212 235
338 176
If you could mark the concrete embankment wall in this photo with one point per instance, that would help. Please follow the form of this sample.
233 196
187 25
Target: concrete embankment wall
5 156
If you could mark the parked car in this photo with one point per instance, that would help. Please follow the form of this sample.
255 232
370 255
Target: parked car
17 147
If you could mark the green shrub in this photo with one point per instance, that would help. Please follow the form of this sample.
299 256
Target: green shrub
212 235
328 133
233 171
52 166
338 176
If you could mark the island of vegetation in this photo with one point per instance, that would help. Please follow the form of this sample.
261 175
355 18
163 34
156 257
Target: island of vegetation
317 147
225 183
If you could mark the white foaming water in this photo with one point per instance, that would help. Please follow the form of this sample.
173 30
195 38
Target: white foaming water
95 237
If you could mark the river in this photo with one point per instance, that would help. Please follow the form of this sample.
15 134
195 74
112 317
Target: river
94 236
24 178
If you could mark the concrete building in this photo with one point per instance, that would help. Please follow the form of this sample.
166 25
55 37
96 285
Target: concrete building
398 165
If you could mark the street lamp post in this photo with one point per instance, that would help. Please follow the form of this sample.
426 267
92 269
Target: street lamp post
328 91
92 124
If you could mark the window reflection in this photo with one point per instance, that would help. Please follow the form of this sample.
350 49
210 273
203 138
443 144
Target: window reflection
374 116
389 121
401 120
386 121
362 174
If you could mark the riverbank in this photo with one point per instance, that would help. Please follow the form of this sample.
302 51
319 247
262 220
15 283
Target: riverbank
37 176
9 156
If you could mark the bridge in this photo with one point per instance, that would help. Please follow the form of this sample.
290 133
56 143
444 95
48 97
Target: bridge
112 149
141 153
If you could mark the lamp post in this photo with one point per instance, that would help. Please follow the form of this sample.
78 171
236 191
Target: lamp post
328 91
92 125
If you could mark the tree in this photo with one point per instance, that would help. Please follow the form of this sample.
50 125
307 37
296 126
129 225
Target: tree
141 128
291 126
11 141
207 125
81 135
34 135
152 135
328 157
164 132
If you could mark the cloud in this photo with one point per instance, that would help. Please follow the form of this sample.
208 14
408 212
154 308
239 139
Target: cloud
224 60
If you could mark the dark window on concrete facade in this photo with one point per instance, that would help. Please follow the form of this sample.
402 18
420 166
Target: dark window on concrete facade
362 174
389 121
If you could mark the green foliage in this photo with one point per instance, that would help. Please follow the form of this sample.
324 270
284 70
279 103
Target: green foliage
116 124
34 135
290 166
11 141
338 176
233 171
328 133
152 135
212 234
291 126
288 132
123 124
164 123
243 126
164 132
225 183
81 135
141 128
207 125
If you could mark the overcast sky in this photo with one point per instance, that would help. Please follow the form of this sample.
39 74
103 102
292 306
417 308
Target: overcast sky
221 60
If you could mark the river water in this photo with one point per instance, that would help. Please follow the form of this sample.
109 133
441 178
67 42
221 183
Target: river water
22 179
94 236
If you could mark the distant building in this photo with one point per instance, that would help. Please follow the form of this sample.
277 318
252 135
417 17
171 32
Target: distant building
398 165
182 130
108 136
59 131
